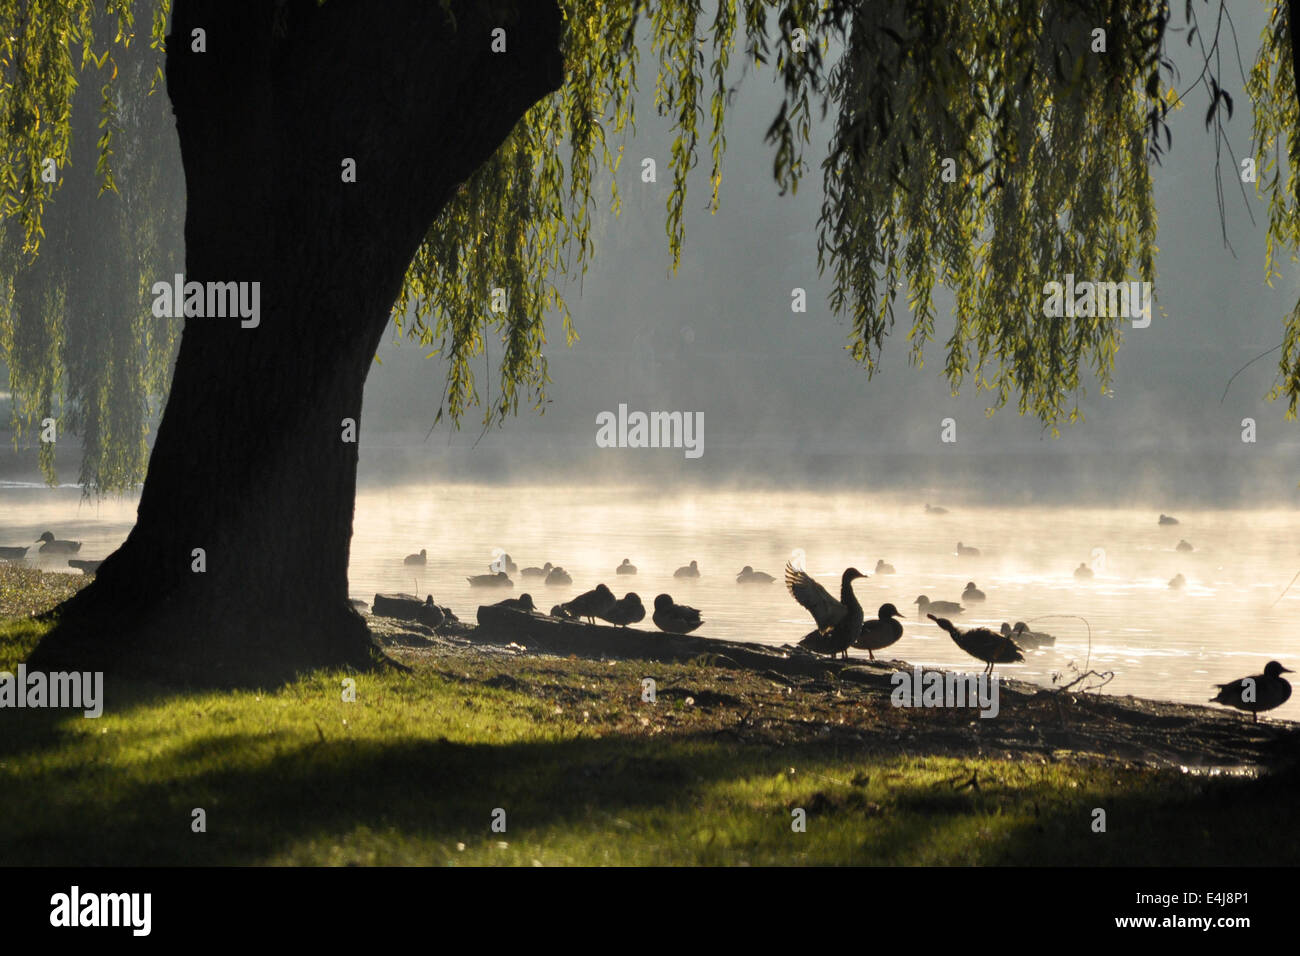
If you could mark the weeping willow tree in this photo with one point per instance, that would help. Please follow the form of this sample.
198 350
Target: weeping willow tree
990 147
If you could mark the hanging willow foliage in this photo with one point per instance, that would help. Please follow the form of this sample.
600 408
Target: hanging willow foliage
1051 141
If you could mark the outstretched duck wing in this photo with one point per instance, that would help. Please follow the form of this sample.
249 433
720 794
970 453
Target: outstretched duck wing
825 609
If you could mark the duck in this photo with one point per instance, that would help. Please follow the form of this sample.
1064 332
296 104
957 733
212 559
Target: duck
88 567
883 568
522 603
1183 546
1271 690
691 570
982 644
881 632
538 572
13 554
839 623
924 604
420 558
627 567
498 580
589 604
748 575
626 610
51 546
1177 581
1023 636
1083 572
963 551
502 562
558 577
935 509
430 614
972 593
1167 519
675 618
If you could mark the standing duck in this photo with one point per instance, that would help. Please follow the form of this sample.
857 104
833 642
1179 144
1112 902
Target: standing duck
691 570
420 558
880 633
627 567
839 623
965 551
748 575
537 572
1083 572
558 577
51 546
981 643
626 610
1260 692
883 568
675 618
972 593
924 606
589 604
498 580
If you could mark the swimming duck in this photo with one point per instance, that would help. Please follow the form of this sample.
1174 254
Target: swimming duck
964 551
558 577
13 554
935 509
1183 546
522 603
89 567
627 567
498 580
589 604
691 570
675 618
1167 519
748 575
839 623
1026 638
1270 688
881 632
537 572
925 605
972 593
51 546
1083 572
626 610
1177 581
420 558
883 568
982 644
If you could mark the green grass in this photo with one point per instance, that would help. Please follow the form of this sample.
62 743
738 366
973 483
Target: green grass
411 772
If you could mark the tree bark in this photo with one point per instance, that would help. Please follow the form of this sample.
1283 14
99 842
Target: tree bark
249 462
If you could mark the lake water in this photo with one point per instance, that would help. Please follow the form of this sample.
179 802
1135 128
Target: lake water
1159 642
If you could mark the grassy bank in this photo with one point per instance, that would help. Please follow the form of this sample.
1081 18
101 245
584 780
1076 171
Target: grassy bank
587 773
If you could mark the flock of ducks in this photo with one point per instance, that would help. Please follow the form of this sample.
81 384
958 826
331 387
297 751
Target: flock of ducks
52 546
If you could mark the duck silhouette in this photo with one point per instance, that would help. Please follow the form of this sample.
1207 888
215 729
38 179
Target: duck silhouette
420 558
675 618
498 580
1026 638
691 570
88 567
13 554
883 568
1083 572
53 546
748 575
627 567
558 577
537 572
965 551
879 633
972 593
935 509
1167 519
522 603
924 605
839 623
1183 546
589 604
626 610
982 644
1177 581
1259 692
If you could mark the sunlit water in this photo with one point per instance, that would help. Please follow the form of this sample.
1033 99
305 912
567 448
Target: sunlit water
1159 642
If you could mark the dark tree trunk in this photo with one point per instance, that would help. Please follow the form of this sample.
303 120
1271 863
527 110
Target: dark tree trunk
249 462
